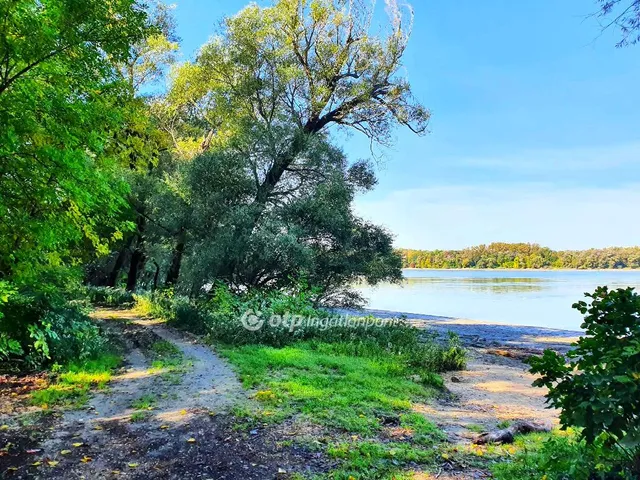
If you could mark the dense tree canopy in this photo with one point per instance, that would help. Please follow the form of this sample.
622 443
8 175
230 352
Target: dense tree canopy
255 194
522 255
61 102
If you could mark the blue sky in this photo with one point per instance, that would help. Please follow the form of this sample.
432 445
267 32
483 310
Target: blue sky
535 130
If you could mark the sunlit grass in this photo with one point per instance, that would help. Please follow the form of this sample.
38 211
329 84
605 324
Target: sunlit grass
73 382
356 398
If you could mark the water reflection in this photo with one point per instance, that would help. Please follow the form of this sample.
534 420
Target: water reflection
531 297
488 284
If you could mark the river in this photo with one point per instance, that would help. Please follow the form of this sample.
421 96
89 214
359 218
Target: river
541 298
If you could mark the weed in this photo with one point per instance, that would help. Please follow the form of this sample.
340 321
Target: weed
146 402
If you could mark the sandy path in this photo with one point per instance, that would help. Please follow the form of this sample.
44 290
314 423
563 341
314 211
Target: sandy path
492 390
207 386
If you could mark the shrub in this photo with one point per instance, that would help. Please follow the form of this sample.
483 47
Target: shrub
598 390
559 456
43 331
220 317
109 296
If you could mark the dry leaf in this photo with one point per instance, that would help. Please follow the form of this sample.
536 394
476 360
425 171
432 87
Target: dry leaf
52 463
192 440
86 459
65 452
133 465
36 464
78 444
164 427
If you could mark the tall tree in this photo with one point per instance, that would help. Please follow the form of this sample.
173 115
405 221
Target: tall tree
288 73
60 101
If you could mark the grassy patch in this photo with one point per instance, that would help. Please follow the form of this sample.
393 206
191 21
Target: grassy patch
354 394
557 456
167 357
73 382
139 416
356 398
476 428
146 402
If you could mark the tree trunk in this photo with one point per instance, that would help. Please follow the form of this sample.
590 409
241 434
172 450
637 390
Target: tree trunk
117 266
156 275
176 262
137 257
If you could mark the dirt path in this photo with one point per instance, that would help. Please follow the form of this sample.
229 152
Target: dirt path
187 432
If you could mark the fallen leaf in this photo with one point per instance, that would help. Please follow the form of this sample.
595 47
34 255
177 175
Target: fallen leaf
133 465
192 440
86 459
13 469
115 472
281 471
183 412
34 450
98 427
4 428
36 464
65 452
52 463
78 444
164 427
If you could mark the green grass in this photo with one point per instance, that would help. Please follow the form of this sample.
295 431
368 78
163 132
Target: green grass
167 357
139 416
353 394
355 398
559 455
475 428
72 384
146 402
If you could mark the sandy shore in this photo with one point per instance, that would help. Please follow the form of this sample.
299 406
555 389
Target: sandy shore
485 334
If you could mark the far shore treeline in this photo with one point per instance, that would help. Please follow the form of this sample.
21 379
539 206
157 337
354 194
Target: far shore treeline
522 255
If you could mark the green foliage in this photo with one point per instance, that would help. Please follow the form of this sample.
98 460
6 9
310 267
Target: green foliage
46 331
60 103
522 255
598 389
220 318
561 456
109 296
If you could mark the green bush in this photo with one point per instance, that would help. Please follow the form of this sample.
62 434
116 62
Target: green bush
109 296
598 390
562 457
41 331
220 318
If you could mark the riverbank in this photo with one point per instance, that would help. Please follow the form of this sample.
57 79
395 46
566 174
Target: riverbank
483 334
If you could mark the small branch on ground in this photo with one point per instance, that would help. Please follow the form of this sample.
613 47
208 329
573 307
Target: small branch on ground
507 435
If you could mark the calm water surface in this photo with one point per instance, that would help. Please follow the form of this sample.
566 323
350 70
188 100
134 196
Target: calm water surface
539 298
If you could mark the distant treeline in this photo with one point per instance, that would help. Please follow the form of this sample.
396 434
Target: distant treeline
522 255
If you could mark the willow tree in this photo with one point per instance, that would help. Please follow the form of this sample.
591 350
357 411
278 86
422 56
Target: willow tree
293 71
